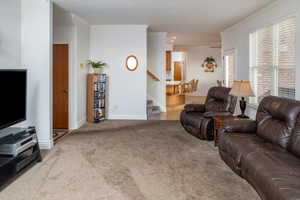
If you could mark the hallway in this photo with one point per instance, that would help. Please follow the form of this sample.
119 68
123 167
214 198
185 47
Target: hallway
173 111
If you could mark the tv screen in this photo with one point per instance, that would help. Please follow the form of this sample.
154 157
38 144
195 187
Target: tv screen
13 97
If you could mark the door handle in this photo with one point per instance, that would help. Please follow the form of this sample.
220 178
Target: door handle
65 91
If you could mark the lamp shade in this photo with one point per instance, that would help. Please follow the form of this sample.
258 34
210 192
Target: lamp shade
241 88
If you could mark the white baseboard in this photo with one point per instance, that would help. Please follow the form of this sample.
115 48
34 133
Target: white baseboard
45 144
128 117
80 123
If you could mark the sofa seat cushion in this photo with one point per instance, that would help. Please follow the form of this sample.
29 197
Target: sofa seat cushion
274 173
198 125
234 146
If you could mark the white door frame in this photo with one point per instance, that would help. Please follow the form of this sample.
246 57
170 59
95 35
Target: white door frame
230 52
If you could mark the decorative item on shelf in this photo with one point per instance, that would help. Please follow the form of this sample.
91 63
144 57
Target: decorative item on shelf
97 66
96 97
209 64
242 89
132 63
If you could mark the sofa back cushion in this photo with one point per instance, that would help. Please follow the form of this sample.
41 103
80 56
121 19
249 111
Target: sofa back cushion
276 118
219 100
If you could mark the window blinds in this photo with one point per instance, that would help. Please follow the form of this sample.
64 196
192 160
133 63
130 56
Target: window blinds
265 47
287 43
273 60
287 58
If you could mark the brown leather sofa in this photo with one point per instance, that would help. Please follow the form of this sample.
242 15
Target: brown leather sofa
197 118
266 151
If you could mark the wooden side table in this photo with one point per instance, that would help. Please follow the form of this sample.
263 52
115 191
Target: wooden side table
218 124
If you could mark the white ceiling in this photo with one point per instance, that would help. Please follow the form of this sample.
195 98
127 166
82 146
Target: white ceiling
186 16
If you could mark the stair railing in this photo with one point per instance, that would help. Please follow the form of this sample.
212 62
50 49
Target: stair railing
153 76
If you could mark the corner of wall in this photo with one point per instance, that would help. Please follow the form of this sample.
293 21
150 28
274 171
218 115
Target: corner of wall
36 13
80 123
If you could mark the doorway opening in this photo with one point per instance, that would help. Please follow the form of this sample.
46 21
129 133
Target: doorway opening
230 69
175 96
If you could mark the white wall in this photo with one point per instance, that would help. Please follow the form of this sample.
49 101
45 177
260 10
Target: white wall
72 30
178 56
64 33
195 57
83 53
156 58
10 34
127 91
237 36
169 46
36 56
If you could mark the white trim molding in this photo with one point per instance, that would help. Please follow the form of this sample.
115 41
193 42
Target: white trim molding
128 117
45 144
120 27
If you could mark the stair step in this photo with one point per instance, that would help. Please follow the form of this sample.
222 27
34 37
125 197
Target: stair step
152 110
155 110
149 102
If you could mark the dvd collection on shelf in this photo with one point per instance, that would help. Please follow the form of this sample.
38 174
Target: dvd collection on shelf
96 97
99 98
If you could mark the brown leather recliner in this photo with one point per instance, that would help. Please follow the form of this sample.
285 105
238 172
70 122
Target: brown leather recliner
266 151
197 118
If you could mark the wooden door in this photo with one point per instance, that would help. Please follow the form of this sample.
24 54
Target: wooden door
177 71
60 86
168 60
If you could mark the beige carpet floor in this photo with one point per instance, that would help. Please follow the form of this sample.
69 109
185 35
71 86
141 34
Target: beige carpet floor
130 160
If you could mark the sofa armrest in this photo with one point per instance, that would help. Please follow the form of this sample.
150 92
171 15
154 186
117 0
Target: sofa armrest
195 108
239 126
217 114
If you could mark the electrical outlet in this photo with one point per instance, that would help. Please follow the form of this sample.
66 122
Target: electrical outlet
82 65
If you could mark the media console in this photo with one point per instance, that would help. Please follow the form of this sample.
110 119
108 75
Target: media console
18 152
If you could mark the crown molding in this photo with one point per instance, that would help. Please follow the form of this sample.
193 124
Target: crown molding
120 27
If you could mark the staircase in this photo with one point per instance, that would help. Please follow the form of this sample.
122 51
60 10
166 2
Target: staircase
152 110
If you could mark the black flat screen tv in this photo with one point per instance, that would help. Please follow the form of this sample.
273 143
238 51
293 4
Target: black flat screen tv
13 84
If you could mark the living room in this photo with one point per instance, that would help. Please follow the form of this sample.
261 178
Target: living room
212 151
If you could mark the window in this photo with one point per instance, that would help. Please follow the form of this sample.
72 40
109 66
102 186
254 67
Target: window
273 60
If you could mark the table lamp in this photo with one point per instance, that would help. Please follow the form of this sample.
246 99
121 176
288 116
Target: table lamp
242 89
